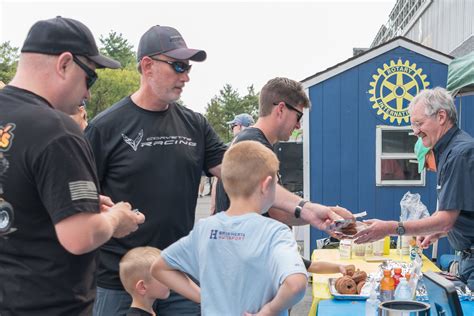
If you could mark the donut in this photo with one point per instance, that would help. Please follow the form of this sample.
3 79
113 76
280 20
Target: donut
349 229
360 285
345 285
359 276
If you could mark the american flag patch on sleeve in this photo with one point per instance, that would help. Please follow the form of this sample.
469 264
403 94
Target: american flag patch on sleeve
83 190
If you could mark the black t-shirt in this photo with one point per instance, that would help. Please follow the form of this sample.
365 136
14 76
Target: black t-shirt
251 133
154 160
135 311
50 176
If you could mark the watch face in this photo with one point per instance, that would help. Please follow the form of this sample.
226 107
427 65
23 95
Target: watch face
400 230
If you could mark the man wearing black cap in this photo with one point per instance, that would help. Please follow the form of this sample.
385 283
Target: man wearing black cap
151 151
48 260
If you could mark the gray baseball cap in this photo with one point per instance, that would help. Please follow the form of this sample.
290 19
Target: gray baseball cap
243 119
169 42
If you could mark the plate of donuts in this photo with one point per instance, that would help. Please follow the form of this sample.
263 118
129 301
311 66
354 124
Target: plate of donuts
349 287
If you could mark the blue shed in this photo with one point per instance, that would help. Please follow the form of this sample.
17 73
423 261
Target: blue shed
358 144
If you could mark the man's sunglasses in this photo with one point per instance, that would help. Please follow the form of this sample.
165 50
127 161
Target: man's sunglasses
299 114
178 66
91 75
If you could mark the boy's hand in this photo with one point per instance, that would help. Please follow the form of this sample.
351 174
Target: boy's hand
265 311
347 269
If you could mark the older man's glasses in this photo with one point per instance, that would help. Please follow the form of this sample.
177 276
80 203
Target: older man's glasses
178 66
91 75
299 114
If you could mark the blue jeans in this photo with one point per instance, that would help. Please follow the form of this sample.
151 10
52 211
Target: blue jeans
116 302
466 269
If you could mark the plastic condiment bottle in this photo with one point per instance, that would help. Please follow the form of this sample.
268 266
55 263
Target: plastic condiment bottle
387 286
414 249
397 275
372 303
403 291
386 246
407 276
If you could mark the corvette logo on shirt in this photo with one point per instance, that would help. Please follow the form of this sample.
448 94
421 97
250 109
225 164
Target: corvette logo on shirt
133 142
6 136
157 141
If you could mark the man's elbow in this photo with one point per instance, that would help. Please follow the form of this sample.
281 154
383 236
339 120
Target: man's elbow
77 247
447 219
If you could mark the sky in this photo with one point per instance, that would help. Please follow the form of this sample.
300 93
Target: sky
247 43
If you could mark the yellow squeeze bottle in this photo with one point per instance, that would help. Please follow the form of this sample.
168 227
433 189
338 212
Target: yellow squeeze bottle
386 246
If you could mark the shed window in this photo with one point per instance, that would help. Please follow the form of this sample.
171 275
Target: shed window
396 162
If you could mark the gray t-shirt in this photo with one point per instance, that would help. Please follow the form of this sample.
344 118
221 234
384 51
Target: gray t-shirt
240 261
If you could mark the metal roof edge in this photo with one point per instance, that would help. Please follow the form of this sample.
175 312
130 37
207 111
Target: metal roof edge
354 61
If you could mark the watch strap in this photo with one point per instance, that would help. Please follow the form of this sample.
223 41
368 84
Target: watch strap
299 208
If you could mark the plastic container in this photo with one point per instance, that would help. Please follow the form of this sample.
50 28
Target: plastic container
414 249
372 303
369 252
403 245
345 249
387 286
377 247
386 246
403 291
397 275
358 250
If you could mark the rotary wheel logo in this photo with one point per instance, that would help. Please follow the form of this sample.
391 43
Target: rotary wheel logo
394 87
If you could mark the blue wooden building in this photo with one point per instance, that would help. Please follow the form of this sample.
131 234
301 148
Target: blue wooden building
358 144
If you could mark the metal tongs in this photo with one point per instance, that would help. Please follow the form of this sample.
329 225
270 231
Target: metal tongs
343 223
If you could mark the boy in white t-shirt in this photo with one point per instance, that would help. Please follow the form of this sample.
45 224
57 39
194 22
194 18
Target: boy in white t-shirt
245 263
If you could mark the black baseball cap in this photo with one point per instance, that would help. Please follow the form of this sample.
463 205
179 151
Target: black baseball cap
58 35
167 41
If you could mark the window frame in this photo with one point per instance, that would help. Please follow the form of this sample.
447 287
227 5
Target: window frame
379 156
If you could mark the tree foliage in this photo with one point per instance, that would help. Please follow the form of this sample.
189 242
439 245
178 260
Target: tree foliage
8 61
115 46
112 86
223 107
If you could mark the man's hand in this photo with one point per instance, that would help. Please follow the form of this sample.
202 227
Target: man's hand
127 221
377 230
344 213
318 215
426 241
105 203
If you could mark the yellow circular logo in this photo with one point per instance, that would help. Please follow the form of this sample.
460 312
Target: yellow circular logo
394 87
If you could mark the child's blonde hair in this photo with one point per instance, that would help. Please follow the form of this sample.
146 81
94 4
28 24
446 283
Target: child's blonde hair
135 266
245 165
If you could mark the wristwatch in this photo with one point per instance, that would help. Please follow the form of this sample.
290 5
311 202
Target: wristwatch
299 208
400 229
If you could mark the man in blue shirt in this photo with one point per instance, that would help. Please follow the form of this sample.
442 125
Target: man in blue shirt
434 120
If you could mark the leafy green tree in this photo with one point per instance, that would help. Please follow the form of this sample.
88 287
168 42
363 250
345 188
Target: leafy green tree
8 61
223 107
113 85
115 46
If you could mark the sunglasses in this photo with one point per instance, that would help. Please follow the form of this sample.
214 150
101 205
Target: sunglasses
91 75
299 114
178 66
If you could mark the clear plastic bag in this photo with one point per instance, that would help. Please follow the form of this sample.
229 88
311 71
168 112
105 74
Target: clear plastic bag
412 208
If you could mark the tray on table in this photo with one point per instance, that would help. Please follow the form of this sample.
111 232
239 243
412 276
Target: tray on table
338 296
